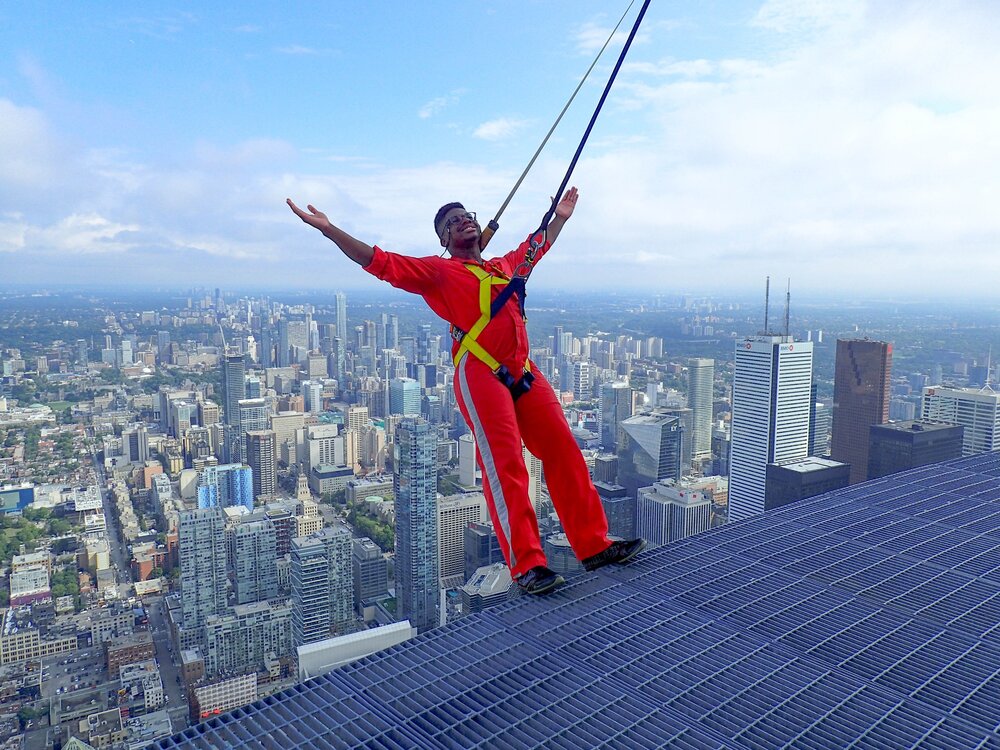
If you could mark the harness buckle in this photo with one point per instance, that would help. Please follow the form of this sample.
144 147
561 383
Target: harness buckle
517 386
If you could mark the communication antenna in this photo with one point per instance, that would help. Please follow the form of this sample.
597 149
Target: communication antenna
767 302
225 347
788 304
989 361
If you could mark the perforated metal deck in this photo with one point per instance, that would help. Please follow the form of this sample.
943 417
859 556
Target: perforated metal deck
865 618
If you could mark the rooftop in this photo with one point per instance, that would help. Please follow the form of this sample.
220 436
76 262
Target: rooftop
865 617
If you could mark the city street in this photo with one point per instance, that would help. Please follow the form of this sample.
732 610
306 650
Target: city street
169 663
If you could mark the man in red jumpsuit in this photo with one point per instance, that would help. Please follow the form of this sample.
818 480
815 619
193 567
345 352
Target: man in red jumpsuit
501 417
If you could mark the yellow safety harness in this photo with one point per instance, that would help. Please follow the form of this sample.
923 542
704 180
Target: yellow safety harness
468 340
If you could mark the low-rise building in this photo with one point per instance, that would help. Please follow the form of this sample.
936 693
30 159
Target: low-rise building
142 685
219 697
128 650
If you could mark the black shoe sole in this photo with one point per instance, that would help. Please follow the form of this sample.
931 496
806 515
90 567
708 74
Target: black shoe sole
631 557
627 559
542 590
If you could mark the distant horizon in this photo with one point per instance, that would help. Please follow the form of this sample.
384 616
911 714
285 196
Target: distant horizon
804 299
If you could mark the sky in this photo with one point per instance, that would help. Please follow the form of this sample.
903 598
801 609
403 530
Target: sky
850 146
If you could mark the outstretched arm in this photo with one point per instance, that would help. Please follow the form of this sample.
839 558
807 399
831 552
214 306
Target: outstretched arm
353 248
563 211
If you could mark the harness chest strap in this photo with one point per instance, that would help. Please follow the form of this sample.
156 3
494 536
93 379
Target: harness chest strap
467 340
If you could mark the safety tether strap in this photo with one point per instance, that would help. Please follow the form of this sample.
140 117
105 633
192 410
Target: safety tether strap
539 237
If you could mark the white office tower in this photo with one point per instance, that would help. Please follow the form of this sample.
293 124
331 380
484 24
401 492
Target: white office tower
468 469
341 322
977 410
668 512
772 382
535 477
312 395
701 375
454 513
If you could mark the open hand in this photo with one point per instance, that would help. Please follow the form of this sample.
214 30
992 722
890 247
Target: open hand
314 218
565 207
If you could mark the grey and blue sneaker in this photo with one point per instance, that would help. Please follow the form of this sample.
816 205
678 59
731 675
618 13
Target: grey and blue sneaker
539 580
619 552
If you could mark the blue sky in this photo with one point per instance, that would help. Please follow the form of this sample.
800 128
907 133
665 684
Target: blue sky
845 144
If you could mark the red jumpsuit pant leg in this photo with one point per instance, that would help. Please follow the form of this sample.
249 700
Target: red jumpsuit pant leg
488 409
547 436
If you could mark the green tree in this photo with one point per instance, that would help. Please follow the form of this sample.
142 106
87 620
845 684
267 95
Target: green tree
59 527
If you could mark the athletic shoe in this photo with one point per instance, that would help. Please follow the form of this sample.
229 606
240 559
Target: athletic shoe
539 580
618 552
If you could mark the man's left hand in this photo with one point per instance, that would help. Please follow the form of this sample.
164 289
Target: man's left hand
564 209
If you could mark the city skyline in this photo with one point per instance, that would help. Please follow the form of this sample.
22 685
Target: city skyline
744 139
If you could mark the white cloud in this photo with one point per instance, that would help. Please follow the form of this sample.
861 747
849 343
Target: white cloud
83 233
29 153
439 104
787 16
499 129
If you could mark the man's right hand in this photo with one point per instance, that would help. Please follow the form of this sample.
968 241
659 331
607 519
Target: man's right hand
314 218
353 248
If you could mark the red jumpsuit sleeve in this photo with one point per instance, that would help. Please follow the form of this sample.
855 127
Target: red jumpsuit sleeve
416 275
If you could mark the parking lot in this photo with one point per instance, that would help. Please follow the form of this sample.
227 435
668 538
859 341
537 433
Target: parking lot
64 673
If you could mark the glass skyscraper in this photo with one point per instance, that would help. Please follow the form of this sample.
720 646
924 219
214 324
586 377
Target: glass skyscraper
861 393
222 486
415 485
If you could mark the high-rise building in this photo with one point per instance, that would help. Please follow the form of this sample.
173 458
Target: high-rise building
619 509
616 406
341 301
310 591
415 485
312 394
135 444
772 383
686 416
234 390
898 446
293 341
798 478
482 547
820 425
263 460
254 414
371 572
404 397
582 374
669 511
861 393
976 410
202 552
225 485
253 544
650 450
454 514
337 360
701 378
322 584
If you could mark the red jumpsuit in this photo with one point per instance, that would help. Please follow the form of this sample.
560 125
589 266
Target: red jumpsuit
499 423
